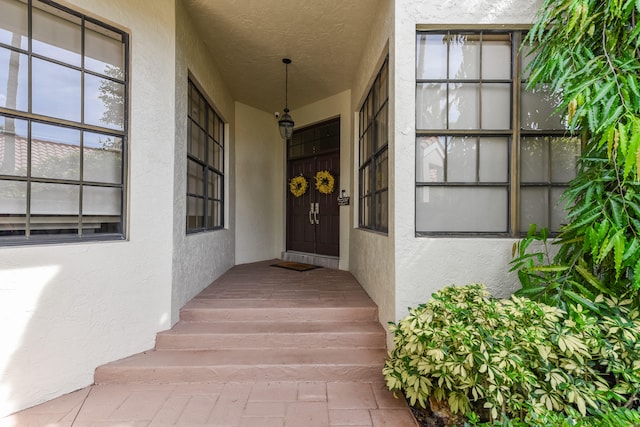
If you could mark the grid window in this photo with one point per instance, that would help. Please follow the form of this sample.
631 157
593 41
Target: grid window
205 165
63 126
374 165
475 157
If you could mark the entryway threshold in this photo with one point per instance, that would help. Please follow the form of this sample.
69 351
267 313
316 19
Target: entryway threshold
315 259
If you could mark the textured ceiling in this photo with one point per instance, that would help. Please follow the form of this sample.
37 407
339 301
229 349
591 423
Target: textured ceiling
249 38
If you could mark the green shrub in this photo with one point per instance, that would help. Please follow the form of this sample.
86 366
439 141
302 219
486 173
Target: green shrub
619 417
515 357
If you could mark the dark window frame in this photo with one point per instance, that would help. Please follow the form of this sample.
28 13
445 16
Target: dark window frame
68 230
209 208
513 134
373 157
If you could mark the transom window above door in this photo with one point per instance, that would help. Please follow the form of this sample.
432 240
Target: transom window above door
491 156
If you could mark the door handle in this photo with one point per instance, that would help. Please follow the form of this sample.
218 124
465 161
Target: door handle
316 212
311 213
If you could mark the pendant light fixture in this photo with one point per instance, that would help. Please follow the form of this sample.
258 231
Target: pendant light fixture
286 122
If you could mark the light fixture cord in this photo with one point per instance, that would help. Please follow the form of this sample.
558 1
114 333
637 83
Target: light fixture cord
286 88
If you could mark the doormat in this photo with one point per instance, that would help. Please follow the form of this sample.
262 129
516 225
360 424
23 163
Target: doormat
296 266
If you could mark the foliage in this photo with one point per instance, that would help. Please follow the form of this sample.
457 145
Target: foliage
515 357
619 417
589 52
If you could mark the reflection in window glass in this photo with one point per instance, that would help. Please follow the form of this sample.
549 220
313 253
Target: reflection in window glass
14 21
103 102
466 91
62 155
52 83
14 83
55 152
205 164
373 175
14 146
13 199
102 156
461 209
547 164
57 34
104 51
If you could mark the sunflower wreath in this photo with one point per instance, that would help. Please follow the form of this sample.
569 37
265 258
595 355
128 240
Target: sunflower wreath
324 182
298 185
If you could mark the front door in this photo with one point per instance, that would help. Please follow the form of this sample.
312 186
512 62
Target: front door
313 217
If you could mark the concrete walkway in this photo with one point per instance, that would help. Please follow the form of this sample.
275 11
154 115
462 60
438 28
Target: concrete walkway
296 379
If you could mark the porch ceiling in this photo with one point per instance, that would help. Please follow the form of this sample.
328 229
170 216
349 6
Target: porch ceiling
249 38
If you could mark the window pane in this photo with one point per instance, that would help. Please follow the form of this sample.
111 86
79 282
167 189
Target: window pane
382 86
55 152
496 56
431 104
534 207
558 211
366 146
525 59
54 199
464 104
534 159
431 57
464 57
430 159
494 160
366 180
195 178
382 177
195 212
104 51
538 110
56 34
14 77
382 210
52 83
101 201
461 159
496 106
102 158
214 190
565 152
13 23
194 105
13 146
13 207
103 102
197 142
214 214
461 209
365 211
381 128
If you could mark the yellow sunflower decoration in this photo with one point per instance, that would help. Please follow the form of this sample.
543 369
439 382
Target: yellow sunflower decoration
324 182
298 185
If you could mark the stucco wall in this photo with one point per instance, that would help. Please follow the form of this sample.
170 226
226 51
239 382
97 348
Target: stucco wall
259 172
372 259
65 309
424 265
198 259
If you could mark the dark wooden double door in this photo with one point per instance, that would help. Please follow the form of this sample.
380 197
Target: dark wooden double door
313 219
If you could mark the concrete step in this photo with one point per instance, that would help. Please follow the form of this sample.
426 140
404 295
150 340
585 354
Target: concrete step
158 367
278 310
264 335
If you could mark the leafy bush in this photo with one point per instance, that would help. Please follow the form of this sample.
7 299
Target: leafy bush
619 417
515 358
586 53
